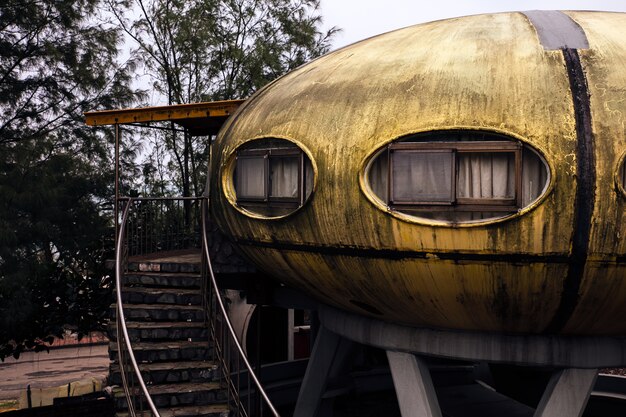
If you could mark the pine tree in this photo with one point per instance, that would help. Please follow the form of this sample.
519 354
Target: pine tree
208 50
57 60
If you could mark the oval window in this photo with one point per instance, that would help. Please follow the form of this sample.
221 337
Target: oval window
456 176
272 177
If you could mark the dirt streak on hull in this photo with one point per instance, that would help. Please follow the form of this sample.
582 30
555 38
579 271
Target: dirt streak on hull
556 266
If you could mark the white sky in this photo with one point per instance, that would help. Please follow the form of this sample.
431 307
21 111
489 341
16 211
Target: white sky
362 19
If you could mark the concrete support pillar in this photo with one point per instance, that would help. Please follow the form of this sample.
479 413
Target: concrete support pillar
414 386
290 336
567 393
327 359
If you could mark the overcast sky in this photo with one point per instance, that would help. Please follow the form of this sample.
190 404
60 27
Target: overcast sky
361 19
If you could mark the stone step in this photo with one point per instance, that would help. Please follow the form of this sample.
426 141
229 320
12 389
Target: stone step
213 410
171 372
180 296
167 351
156 266
146 331
157 279
157 312
174 395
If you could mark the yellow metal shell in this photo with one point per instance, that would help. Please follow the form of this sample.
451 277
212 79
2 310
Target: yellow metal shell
486 72
603 290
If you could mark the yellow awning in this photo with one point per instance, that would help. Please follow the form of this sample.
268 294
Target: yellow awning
200 119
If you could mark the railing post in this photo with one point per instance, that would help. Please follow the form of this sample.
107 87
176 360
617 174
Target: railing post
116 203
257 359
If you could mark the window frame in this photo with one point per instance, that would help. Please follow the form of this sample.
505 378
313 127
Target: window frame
268 200
457 148
390 185
253 154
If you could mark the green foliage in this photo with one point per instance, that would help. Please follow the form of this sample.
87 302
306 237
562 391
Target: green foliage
51 248
56 61
202 50
207 50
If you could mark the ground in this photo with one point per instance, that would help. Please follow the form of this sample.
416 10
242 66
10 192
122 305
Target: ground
59 367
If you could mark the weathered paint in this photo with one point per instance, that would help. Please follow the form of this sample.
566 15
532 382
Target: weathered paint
602 300
487 72
200 119
585 192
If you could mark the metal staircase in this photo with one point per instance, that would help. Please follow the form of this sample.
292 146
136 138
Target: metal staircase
173 348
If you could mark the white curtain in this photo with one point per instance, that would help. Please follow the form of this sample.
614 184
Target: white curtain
479 175
377 175
284 176
308 178
486 175
534 177
422 176
250 182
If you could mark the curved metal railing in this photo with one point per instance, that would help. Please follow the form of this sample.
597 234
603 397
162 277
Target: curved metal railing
226 344
125 355
246 396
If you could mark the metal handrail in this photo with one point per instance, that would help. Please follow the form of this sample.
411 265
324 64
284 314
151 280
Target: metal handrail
157 224
121 324
158 198
222 308
209 279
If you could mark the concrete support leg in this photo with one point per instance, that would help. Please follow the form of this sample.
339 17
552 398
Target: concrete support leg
567 393
414 386
328 355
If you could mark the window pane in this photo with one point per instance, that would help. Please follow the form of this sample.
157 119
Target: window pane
250 174
308 178
377 175
284 177
422 176
534 177
482 165
486 175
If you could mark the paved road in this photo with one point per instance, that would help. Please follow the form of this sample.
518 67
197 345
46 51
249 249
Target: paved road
58 367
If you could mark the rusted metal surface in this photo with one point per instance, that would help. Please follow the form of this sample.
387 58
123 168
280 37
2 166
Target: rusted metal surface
585 192
199 118
603 287
487 72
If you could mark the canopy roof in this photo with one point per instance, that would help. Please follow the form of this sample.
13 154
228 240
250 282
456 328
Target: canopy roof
200 119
